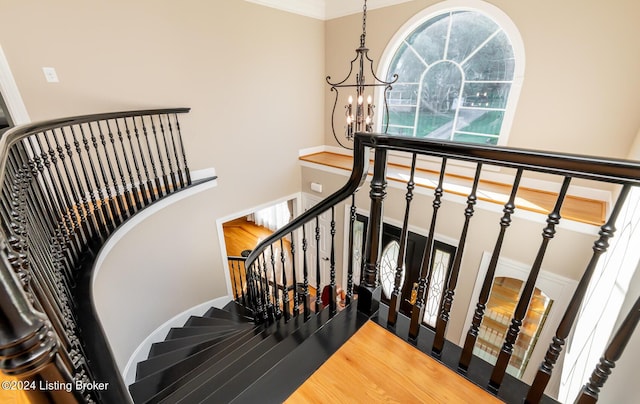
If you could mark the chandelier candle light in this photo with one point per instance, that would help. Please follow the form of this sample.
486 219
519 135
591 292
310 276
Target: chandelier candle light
360 120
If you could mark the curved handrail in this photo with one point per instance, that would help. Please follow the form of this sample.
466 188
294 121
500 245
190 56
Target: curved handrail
67 184
355 181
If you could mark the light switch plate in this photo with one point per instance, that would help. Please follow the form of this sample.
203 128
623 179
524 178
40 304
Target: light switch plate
50 74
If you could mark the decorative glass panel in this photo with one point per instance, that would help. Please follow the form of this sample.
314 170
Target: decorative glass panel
388 263
497 319
436 286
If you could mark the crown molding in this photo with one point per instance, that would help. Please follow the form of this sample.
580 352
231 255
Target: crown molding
309 8
325 9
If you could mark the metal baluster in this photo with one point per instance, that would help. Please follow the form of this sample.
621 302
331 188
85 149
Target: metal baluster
123 206
332 265
256 291
452 279
352 220
318 284
114 202
276 291
187 173
426 267
394 304
294 276
129 205
69 213
285 289
165 180
107 224
472 334
366 302
527 292
168 152
234 283
141 183
94 215
175 152
591 390
54 209
149 185
268 312
133 190
241 265
156 191
81 203
306 309
600 246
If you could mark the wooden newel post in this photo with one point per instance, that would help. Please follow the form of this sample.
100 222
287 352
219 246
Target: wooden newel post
366 302
28 347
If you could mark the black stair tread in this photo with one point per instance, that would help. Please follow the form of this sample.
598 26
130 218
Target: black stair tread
215 312
239 382
159 348
255 362
292 371
181 332
151 383
162 361
197 320
239 309
216 370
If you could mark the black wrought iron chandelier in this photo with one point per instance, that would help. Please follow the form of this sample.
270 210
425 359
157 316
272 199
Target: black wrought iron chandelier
360 109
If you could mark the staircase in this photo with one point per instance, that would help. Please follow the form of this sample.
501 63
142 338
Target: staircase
223 357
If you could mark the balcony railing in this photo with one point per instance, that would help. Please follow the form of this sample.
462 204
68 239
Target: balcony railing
66 185
291 256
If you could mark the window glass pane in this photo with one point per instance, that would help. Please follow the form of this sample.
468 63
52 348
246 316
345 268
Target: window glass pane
473 138
434 125
407 65
468 31
487 95
479 121
441 86
402 95
430 38
493 62
400 130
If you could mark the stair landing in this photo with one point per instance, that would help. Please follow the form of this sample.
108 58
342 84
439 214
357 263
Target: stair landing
376 366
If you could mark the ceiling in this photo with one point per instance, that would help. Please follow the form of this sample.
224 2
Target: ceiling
325 9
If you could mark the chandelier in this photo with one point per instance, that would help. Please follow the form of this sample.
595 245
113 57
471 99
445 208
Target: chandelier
360 109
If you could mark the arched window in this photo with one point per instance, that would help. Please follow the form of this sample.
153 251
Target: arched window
460 71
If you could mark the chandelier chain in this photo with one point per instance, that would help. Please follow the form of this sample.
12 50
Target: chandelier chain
364 24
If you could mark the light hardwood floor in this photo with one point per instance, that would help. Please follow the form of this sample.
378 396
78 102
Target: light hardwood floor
375 366
8 396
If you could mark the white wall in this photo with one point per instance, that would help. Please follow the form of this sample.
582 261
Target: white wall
159 264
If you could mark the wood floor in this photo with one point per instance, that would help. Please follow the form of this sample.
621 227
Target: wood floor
584 210
9 396
375 366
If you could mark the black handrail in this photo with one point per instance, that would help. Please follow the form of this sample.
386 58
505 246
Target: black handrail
260 264
65 186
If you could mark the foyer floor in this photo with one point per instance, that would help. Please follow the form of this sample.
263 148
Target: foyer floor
375 366
8 395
